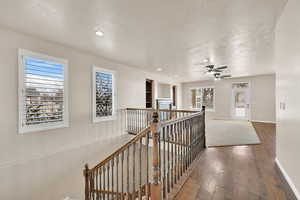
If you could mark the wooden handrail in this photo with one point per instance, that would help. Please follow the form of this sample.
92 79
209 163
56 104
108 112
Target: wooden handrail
118 151
162 110
173 121
137 118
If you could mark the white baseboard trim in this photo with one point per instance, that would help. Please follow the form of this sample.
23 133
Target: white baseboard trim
288 179
261 121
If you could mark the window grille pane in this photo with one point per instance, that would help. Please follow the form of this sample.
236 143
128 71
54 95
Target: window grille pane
240 85
193 93
104 94
208 98
202 97
43 91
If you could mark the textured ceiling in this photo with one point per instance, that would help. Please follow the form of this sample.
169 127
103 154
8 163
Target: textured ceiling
169 34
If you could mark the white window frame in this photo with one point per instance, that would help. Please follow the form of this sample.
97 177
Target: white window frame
22 53
96 119
249 99
204 87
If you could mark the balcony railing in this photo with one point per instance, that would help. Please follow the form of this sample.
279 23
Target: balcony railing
138 119
152 163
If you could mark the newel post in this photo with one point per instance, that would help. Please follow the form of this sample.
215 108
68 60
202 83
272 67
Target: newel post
157 104
172 114
203 125
86 178
155 186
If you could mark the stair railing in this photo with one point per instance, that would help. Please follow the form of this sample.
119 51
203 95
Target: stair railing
137 119
151 164
180 141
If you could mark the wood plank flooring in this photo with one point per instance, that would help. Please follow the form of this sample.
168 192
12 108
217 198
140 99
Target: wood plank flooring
239 172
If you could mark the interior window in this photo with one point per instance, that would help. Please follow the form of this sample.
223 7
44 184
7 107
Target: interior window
202 97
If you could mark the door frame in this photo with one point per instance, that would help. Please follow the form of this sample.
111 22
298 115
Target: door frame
232 101
174 96
152 93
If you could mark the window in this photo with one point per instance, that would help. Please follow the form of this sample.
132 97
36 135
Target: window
103 94
203 97
43 99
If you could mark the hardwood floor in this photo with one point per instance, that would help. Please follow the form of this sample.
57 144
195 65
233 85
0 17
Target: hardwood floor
239 172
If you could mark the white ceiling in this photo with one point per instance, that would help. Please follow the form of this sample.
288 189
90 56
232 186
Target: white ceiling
151 34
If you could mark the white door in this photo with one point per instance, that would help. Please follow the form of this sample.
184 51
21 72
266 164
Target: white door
241 101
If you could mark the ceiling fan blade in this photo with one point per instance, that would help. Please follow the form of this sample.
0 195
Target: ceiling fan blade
216 70
225 76
222 67
210 66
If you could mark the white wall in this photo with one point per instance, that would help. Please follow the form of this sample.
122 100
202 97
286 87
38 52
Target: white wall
17 149
164 90
262 97
287 61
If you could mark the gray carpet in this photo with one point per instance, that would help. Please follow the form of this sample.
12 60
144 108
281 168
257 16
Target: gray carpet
229 132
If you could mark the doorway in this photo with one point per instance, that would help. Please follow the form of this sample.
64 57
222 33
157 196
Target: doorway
241 101
174 95
149 93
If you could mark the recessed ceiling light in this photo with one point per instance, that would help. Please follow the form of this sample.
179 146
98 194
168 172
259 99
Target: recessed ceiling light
99 33
159 69
206 60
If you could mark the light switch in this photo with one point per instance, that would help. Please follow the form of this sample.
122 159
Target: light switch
282 106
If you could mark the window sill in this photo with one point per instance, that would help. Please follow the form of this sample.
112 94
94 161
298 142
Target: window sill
28 129
103 119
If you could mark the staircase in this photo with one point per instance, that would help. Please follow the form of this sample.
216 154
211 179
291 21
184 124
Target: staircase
154 162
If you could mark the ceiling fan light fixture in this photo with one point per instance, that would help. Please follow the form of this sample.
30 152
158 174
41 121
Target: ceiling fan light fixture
99 33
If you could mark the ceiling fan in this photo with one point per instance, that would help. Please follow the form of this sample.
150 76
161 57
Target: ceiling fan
219 76
211 69
216 71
